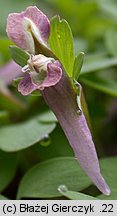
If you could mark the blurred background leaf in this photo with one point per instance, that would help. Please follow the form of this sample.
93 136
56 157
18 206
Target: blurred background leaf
111 41
24 135
8 165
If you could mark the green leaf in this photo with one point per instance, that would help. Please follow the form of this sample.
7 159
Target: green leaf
47 116
49 175
72 195
78 13
96 65
8 165
109 7
61 43
80 45
20 136
4 117
16 81
8 101
101 84
3 114
36 93
59 146
3 197
4 48
78 65
109 167
96 56
18 55
95 30
111 42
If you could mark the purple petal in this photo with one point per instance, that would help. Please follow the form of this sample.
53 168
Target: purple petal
10 71
21 25
53 76
26 86
62 100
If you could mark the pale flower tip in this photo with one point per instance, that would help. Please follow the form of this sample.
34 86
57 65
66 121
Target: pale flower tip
102 185
107 190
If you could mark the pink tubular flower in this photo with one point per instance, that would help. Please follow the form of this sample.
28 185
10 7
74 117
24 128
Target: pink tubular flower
30 31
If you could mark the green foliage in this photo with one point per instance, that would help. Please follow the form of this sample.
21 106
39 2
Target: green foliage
97 65
59 146
18 55
8 165
8 101
78 65
61 43
111 42
77 13
109 7
102 84
4 50
4 117
49 175
72 195
80 45
108 166
23 135
2 197
47 117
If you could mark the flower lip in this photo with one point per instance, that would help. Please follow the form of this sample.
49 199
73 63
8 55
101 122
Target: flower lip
44 71
39 73
39 62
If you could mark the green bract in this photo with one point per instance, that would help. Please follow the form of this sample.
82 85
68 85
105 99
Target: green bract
78 65
18 55
61 43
